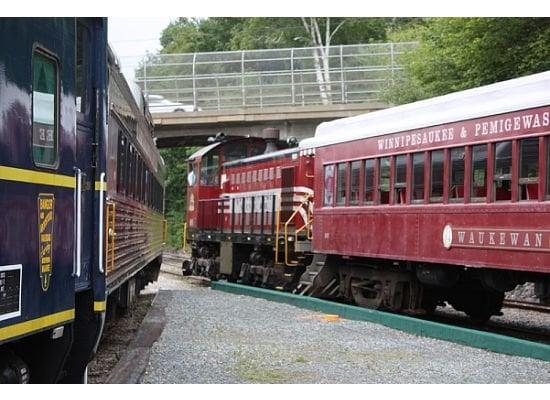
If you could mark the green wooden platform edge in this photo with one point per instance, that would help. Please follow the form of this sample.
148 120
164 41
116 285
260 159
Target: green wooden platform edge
469 337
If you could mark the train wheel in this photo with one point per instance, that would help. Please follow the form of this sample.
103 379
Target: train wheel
186 268
367 293
490 305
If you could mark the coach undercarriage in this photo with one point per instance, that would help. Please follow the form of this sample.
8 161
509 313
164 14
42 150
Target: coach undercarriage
397 286
406 287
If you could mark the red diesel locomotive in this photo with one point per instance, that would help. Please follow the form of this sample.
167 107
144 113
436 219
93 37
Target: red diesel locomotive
247 198
442 200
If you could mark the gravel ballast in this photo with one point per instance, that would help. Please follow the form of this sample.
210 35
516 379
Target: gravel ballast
216 337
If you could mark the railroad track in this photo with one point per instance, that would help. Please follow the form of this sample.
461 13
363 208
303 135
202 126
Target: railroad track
527 305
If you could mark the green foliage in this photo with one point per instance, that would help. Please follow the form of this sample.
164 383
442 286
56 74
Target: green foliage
176 191
461 53
188 35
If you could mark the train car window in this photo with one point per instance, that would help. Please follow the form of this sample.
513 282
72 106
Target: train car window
82 63
369 181
254 176
529 169
418 177
436 176
400 180
271 173
121 162
210 169
138 179
456 174
328 199
248 176
341 184
278 173
479 172
146 186
384 182
502 188
354 182
260 175
192 175
45 106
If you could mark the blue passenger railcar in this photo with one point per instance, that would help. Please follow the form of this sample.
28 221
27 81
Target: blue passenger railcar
53 197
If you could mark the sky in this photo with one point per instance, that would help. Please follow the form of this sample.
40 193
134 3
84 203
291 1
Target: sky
131 38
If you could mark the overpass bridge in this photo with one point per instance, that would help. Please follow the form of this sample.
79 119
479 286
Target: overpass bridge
243 92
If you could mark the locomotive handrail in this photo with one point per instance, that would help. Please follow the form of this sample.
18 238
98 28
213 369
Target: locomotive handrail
304 201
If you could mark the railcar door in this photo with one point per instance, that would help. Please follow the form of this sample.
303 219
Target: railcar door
85 100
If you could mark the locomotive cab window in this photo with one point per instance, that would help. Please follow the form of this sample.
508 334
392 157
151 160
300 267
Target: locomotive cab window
191 175
479 172
328 199
341 184
529 169
45 104
210 170
384 185
400 183
354 182
502 187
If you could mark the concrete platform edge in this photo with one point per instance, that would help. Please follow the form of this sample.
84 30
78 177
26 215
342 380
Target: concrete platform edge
469 337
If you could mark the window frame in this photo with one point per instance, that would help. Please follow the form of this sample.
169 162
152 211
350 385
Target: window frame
37 48
431 198
421 154
526 181
374 183
345 164
360 164
479 199
503 177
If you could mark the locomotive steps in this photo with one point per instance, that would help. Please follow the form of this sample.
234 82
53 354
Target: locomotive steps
469 337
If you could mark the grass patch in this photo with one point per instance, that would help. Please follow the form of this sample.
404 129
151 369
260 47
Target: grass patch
252 371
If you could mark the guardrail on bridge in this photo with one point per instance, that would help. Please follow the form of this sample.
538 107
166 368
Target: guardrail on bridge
275 77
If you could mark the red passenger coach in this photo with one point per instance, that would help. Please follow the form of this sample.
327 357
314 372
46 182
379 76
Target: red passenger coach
446 199
249 211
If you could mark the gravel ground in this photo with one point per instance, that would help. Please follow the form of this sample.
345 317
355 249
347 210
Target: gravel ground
117 336
216 337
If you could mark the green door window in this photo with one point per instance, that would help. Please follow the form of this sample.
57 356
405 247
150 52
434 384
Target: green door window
44 110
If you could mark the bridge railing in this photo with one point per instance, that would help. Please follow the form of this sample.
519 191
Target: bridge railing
275 77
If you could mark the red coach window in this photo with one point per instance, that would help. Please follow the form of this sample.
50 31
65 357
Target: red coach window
354 183
456 174
328 199
436 177
384 185
400 183
503 171
369 181
418 177
529 169
479 172
341 184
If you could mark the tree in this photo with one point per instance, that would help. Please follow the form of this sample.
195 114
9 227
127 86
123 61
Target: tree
460 53
321 53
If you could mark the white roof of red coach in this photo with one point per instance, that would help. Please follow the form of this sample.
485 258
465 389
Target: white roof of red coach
516 94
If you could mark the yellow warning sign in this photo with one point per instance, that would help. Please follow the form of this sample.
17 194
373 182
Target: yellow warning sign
45 237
